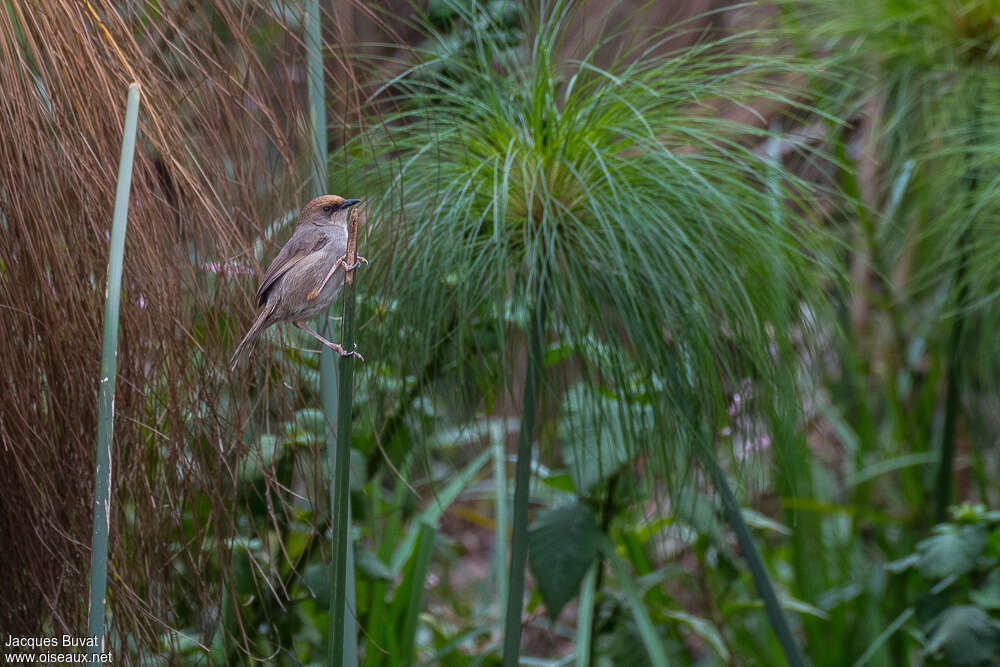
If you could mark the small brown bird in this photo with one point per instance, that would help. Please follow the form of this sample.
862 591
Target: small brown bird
308 273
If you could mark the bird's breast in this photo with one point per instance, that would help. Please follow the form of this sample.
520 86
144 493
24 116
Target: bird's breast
307 275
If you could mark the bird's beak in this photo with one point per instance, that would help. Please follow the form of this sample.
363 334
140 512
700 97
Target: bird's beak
348 203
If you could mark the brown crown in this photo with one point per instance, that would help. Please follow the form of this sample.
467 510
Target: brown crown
313 207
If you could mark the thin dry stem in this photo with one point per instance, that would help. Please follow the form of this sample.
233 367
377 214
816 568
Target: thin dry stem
221 156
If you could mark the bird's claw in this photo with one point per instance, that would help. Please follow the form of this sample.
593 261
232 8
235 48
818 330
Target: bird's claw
339 349
352 353
343 262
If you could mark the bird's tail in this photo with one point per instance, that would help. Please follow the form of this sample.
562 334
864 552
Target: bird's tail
247 343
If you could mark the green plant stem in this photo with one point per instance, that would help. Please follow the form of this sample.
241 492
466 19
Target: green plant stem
500 490
952 404
946 463
109 370
761 579
608 511
522 482
336 404
317 98
343 638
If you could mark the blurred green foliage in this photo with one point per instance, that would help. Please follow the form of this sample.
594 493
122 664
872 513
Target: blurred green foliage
841 361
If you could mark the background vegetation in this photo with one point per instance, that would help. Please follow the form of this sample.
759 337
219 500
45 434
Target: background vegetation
658 248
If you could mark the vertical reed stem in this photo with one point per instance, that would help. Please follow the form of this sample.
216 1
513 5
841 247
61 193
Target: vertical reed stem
106 395
761 579
522 482
344 638
317 99
954 373
342 634
500 498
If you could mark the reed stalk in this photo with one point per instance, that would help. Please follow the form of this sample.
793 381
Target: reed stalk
522 483
954 373
343 639
106 394
761 579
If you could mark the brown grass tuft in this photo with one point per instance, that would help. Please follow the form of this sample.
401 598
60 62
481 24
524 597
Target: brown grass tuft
221 156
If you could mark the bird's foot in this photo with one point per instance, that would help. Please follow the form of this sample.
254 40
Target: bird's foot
343 262
339 349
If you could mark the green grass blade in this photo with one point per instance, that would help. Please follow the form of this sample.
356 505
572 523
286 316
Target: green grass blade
650 639
106 396
379 633
585 619
410 596
884 637
432 513
761 579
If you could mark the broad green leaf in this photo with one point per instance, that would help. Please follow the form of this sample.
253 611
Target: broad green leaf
988 595
562 545
965 635
307 427
316 579
559 481
251 465
593 435
953 550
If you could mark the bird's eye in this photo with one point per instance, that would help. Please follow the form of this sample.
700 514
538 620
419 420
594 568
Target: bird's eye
328 209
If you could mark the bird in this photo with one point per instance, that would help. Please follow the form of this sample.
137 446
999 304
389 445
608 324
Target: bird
307 274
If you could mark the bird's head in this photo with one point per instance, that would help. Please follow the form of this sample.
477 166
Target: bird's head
327 210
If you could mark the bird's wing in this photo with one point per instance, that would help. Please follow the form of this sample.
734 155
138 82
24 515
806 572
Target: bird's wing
291 254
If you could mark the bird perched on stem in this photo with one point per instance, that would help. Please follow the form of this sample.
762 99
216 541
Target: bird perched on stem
308 273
